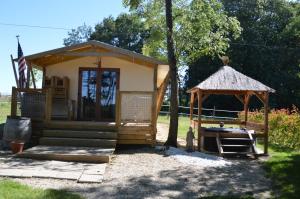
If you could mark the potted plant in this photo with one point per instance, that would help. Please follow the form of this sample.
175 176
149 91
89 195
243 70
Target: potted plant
17 146
17 132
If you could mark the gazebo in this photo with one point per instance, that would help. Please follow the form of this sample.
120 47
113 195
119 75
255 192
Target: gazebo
228 81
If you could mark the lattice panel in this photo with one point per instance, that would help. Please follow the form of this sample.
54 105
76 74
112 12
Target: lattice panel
136 107
32 105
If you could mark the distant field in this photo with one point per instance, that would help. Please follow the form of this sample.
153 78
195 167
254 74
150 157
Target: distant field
4 110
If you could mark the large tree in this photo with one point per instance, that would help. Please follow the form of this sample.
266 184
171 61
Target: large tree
78 35
200 28
173 130
126 31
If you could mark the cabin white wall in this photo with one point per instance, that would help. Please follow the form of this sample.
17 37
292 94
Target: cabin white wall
133 77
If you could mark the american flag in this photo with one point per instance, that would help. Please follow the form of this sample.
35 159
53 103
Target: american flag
22 67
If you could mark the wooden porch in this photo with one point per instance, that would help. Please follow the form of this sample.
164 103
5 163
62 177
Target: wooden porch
131 129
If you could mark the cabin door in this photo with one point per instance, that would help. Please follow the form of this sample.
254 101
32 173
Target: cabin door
97 94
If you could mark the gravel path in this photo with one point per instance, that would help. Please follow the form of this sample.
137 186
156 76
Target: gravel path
150 173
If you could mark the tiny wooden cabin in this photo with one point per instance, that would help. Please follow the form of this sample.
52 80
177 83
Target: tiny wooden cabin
94 85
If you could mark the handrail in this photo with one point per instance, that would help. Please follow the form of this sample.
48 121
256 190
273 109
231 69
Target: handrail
205 109
16 93
213 116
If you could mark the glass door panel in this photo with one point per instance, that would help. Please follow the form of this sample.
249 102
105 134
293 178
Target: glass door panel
108 93
88 94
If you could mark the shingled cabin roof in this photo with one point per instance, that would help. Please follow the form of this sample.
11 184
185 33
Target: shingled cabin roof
228 79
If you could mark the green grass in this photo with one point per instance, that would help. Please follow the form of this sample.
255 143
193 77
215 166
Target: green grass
283 168
4 111
13 190
184 123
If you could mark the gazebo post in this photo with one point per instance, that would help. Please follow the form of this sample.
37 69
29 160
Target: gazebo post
191 108
246 106
200 135
266 122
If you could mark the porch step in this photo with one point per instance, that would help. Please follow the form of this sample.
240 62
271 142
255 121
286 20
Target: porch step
60 133
81 125
74 154
234 145
237 139
78 142
235 153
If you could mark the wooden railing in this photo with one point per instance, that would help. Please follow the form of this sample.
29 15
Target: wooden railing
17 94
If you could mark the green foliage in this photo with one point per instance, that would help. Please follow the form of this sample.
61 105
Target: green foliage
13 190
267 50
38 74
206 29
284 127
200 27
126 31
78 35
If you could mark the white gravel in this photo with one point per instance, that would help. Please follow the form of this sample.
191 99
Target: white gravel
151 173
197 158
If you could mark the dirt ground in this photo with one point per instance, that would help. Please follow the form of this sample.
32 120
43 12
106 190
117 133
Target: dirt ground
145 172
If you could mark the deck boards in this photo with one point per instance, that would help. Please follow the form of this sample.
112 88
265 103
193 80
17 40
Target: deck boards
61 153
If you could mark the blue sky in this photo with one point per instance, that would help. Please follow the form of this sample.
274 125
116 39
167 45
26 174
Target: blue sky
56 13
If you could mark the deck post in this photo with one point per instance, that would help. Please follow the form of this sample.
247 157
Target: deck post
44 77
48 112
33 78
154 104
28 74
118 110
13 110
200 135
266 123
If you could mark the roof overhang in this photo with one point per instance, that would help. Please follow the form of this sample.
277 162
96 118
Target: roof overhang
88 49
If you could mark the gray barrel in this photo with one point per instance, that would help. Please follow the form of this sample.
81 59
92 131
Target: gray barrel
17 128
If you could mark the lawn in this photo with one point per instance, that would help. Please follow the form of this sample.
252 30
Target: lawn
183 124
4 111
283 169
13 190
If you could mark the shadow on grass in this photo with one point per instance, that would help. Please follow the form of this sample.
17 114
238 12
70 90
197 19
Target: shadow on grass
58 194
283 169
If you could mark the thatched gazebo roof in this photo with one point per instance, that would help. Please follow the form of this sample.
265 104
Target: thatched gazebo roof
228 79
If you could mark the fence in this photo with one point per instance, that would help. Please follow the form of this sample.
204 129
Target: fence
165 110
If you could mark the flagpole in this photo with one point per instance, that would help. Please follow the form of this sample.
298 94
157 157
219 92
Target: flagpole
28 68
15 72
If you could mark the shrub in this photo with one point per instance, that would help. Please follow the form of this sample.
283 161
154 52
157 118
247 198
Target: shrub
284 126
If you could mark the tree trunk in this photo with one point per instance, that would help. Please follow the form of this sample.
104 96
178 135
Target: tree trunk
173 129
